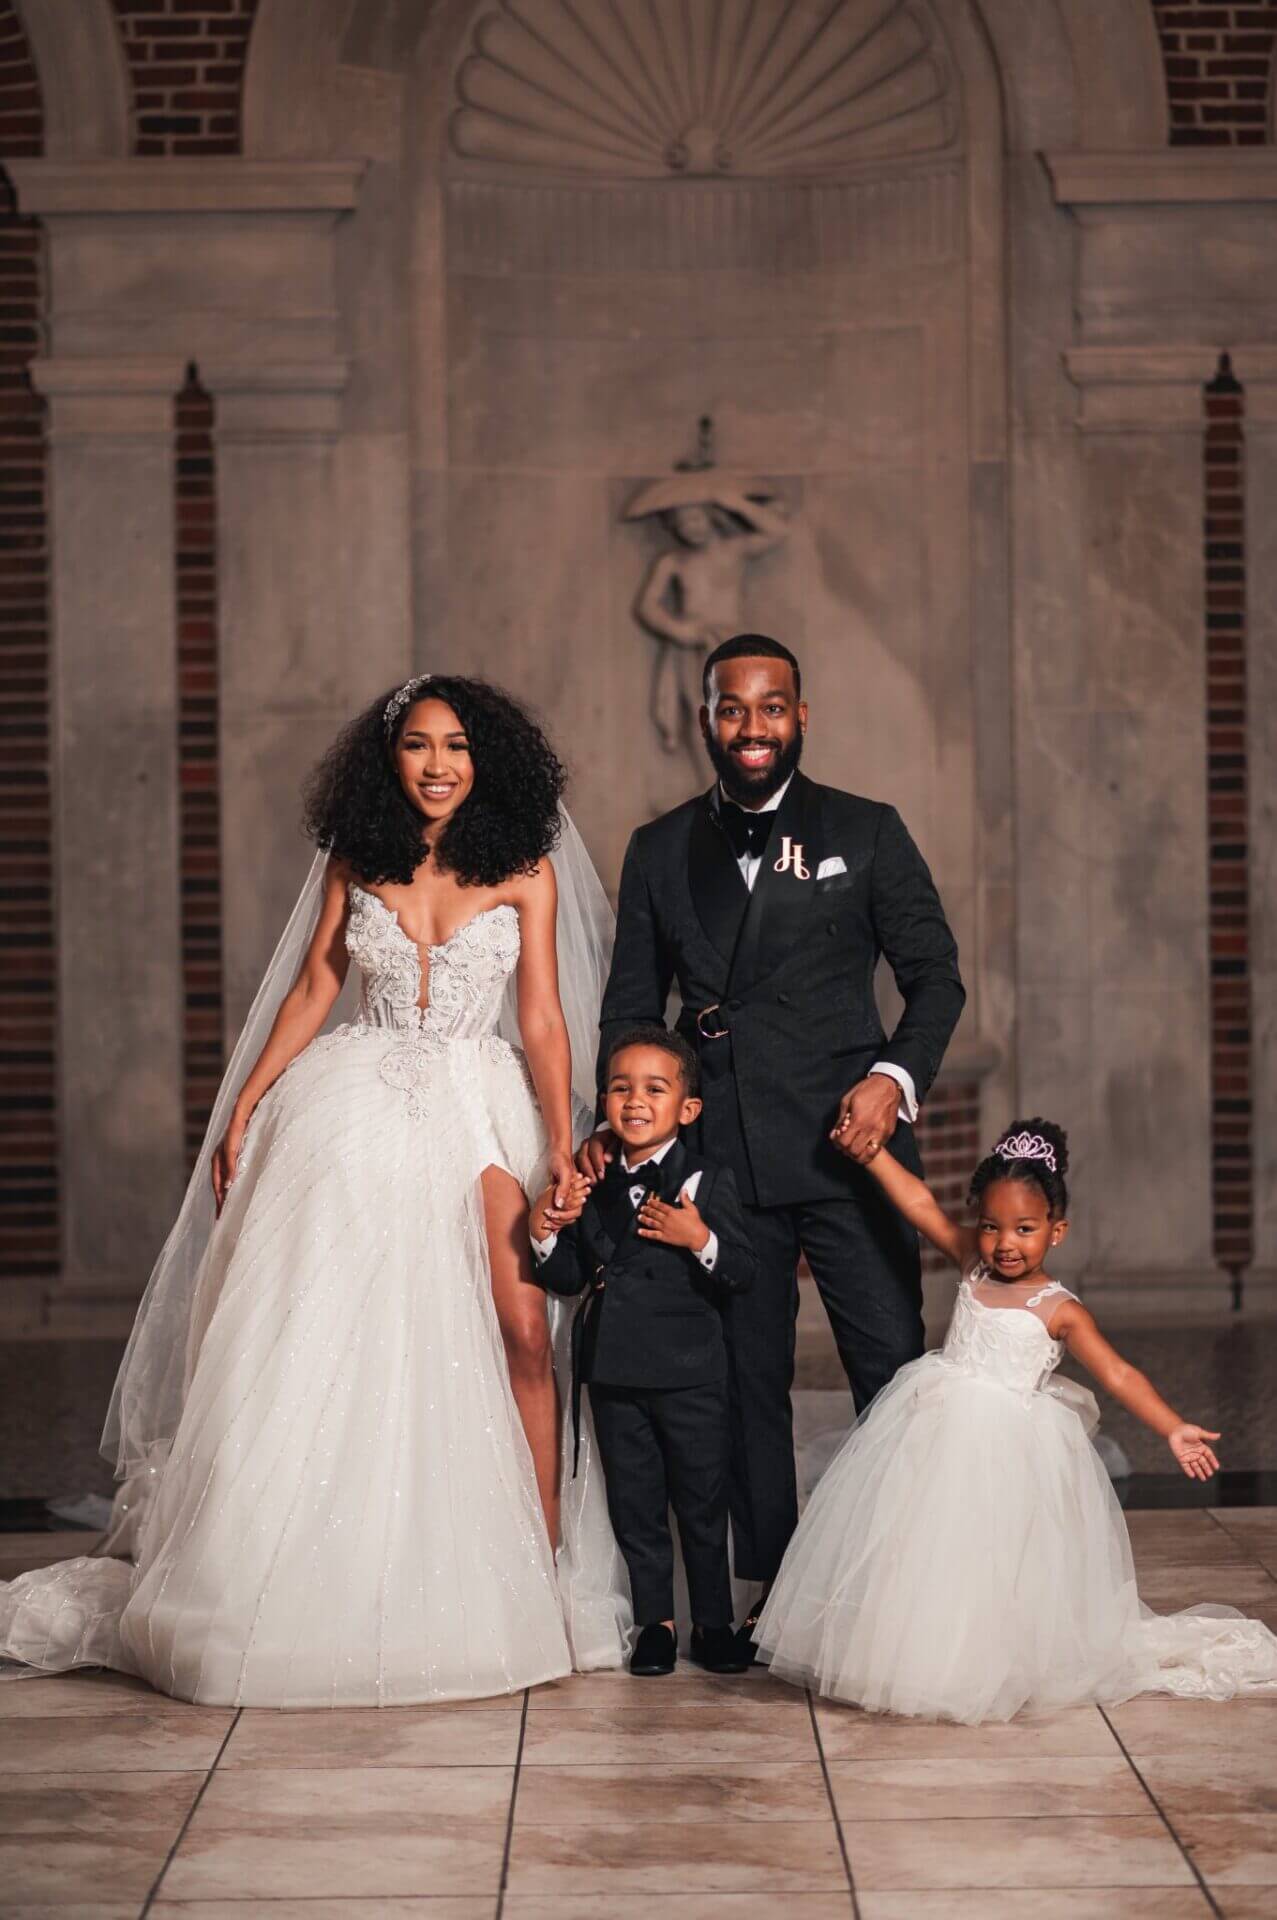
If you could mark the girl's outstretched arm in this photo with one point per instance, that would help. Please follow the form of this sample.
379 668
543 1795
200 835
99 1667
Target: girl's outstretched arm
1077 1328
915 1200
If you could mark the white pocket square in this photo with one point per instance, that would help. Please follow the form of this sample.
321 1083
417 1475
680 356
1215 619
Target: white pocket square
828 868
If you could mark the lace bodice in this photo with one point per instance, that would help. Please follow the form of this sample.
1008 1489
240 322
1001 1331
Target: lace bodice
465 982
1009 1344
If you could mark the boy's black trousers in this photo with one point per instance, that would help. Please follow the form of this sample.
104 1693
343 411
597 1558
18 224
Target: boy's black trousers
664 1447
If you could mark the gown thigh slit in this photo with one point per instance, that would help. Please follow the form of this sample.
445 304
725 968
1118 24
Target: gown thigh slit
348 1513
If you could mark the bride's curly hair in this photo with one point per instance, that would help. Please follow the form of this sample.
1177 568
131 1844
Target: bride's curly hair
356 808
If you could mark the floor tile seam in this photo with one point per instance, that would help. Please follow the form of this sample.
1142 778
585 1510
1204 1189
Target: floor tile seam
1165 1819
833 1806
504 1880
182 1831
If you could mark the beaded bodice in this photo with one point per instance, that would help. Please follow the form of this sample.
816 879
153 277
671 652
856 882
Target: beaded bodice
466 973
1008 1344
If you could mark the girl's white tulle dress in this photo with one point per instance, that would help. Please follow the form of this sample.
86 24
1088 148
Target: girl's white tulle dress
347 1514
963 1556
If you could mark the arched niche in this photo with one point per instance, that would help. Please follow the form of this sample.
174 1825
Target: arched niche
1080 73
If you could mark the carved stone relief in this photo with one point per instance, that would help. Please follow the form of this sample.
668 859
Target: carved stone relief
653 88
692 596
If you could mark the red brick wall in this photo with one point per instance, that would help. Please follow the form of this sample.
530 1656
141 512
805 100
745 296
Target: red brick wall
1218 63
1227 834
199 811
948 1133
28 980
186 62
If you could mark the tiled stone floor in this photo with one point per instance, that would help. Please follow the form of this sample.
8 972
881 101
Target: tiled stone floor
605 1798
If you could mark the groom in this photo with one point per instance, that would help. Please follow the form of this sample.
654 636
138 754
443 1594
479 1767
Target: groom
768 900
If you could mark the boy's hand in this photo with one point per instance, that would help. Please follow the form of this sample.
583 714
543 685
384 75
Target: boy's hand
1188 1444
680 1226
546 1219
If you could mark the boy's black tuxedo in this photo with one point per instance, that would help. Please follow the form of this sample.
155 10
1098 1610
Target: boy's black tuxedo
648 1340
790 967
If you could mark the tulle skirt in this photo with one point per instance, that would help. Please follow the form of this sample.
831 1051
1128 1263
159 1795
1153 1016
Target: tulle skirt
348 1514
963 1557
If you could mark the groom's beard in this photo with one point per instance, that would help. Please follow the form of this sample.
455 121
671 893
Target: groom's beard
753 789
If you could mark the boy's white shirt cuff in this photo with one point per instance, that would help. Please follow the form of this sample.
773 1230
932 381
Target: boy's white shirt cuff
904 1080
708 1255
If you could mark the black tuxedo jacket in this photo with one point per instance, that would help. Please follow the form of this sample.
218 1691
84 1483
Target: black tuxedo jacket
791 966
653 1317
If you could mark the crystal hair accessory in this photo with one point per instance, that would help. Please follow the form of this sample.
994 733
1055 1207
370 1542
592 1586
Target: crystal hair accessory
1026 1146
398 701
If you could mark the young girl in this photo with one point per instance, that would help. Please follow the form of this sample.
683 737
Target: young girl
964 1556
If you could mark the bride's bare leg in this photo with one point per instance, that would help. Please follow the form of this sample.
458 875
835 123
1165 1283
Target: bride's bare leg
525 1329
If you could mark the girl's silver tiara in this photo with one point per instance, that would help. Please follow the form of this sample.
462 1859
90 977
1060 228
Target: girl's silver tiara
405 696
1026 1146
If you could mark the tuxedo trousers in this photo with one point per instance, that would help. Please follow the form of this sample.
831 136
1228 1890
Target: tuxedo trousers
865 1261
662 1448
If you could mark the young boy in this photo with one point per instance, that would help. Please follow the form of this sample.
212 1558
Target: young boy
655 1248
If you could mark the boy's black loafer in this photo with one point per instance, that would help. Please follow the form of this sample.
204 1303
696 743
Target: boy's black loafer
719 1650
655 1651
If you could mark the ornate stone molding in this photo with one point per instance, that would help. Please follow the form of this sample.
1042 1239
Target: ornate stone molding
298 400
128 399
66 187
751 88
1140 389
84 82
1175 176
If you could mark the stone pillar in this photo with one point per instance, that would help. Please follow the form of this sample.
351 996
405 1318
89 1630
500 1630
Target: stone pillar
115 732
285 657
1145 914
1256 368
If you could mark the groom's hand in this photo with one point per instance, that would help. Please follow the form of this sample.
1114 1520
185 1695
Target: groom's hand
867 1116
594 1154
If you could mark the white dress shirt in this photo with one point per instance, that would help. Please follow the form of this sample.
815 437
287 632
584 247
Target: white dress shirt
708 1255
750 865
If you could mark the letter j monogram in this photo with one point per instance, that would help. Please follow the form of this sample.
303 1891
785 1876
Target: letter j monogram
791 859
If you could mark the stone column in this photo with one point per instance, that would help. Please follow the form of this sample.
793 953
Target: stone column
285 658
1256 368
1148 1174
115 707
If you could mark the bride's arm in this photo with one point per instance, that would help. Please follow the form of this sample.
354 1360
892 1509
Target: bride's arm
542 1028
302 1013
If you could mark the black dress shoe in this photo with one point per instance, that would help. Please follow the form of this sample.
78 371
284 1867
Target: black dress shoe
655 1651
718 1650
744 1638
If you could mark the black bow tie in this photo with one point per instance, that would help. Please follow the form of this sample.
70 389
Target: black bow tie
648 1174
748 832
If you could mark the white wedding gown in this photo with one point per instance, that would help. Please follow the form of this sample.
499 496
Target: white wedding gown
348 1514
963 1555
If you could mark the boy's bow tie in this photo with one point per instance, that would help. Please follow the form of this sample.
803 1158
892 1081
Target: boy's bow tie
748 832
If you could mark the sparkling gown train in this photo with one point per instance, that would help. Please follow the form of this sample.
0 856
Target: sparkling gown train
348 1514
963 1556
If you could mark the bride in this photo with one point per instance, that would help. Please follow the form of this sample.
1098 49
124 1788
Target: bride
337 1415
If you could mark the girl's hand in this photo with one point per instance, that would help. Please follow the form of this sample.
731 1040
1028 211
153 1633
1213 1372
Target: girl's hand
547 1217
1188 1444
680 1226
226 1158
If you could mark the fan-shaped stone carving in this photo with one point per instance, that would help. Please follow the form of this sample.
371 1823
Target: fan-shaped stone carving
645 88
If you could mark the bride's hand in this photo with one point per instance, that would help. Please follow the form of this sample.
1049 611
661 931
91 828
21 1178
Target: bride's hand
561 1169
1188 1444
226 1158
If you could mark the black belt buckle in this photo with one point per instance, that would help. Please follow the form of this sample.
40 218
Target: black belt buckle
719 1031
